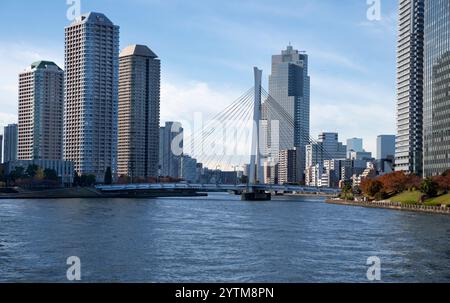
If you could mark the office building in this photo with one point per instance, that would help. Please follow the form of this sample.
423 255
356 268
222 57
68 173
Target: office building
64 169
188 166
138 121
289 86
436 126
410 56
354 144
362 156
327 147
170 149
385 147
91 93
41 100
287 166
10 143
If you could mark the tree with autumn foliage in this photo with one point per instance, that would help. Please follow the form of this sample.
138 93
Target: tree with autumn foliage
398 182
443 182
371 187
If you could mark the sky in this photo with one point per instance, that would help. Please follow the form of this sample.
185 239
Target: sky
208 49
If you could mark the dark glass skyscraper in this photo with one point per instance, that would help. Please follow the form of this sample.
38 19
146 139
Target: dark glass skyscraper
436 128
289 85
409 143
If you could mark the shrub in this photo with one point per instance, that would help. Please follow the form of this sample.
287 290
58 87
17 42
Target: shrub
429 187
381 195
371 187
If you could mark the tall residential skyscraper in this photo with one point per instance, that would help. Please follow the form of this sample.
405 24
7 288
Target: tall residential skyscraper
289 85
170 149
91 93
139 100
385 147
354 144
409 145
41 98
437 87
10 145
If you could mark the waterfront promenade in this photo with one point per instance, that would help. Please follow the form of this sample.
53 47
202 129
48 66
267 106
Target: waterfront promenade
443 210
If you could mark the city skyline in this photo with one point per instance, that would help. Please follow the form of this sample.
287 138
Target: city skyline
337 67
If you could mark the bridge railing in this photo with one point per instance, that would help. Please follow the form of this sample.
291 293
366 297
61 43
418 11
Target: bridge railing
233 187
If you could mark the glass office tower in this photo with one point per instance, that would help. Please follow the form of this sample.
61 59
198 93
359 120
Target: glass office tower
289 85
436 128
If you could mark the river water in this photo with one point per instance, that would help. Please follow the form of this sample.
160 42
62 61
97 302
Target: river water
218 239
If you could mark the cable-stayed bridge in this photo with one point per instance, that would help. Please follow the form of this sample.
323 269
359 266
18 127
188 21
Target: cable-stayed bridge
247 131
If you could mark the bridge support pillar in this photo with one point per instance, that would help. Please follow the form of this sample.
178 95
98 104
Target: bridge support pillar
256 196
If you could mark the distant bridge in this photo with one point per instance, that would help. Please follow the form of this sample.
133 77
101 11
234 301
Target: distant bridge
217 187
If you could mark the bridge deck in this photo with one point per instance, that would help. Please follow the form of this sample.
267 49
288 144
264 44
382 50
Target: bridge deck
217 187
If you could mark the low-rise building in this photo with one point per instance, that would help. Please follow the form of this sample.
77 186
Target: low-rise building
63 169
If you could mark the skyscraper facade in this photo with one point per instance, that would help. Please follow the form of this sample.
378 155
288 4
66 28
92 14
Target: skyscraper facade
41 98
385 146
287 167
354 144
170 149
10 145
436 108
410 48
139 101
327 147
91 93
289 85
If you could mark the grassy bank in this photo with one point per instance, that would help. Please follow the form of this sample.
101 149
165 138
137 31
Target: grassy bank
413 197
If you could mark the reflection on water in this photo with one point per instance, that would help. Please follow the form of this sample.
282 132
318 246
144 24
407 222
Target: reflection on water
218 239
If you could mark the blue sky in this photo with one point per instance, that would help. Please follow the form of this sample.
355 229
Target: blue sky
208 50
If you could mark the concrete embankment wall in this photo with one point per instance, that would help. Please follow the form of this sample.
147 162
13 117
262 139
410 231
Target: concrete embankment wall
395 206
91 193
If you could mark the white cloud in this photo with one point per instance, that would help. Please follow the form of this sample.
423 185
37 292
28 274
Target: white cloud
352 108
181 100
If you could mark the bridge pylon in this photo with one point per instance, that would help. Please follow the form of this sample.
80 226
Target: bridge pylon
256 158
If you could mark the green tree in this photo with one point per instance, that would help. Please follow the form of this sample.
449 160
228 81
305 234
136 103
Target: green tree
429 187
76 179
50 174
2 175
39 175
108 176
91 180
87 180
32 170
347 189
17 173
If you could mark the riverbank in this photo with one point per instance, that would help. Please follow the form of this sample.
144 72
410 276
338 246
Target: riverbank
92 193
394 206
